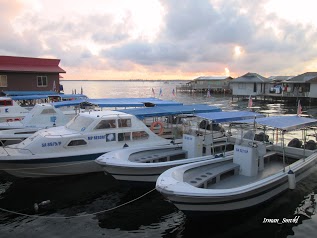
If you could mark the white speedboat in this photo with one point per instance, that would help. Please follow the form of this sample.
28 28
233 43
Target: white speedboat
145 163
73 148
10 110
41 116
256 172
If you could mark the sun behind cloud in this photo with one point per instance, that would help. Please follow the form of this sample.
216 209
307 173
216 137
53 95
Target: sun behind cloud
237 51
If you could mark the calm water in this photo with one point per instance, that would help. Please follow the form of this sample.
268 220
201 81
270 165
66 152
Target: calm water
150 216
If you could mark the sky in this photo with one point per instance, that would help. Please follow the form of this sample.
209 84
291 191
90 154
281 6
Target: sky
163 39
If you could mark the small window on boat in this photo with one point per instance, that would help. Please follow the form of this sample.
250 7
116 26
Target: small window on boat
139 135
77 143
48 111
110 137
79 123
124 122
6 103
124 136
106 124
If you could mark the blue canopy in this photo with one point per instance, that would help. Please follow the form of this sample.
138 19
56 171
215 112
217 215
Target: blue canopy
170 110
45 96
219 117
286 123
24 93
119 102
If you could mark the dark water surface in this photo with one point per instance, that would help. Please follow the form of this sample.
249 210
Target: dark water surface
150 216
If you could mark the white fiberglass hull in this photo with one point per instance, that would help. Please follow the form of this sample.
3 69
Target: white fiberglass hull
147 164
36 168
192 199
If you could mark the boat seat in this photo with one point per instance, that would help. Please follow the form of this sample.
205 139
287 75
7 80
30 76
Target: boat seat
202 179
269 154
157 156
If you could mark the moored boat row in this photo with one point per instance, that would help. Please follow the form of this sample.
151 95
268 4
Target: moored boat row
217 163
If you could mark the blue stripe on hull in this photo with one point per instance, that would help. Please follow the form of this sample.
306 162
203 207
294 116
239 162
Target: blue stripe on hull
54 160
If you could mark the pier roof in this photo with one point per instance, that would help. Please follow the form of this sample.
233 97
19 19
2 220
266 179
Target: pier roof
251 78
212 78
304 78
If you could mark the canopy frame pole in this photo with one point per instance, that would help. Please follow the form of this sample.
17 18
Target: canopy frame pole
212 138
304 134
283 146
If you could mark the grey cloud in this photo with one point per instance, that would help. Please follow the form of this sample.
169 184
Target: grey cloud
148 54
196 35
195 32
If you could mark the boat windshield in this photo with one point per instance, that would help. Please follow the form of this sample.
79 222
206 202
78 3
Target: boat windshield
79 123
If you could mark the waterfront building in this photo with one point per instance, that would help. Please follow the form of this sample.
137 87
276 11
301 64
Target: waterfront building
29 74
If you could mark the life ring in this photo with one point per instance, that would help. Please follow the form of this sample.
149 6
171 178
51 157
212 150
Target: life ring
154 124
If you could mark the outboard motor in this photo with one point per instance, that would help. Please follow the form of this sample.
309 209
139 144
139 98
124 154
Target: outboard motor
311 145
203 124
296 143
217 127
261 137
249 135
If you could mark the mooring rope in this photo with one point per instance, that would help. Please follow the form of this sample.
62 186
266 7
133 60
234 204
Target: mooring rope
78 216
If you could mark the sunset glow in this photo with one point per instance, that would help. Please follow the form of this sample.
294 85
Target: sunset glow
154 39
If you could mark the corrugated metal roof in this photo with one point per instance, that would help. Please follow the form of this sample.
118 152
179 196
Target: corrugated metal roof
280 78
305 77
26 64
211 78
251 78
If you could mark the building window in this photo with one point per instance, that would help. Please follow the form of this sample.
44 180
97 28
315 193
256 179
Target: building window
42 81
241 85
3 81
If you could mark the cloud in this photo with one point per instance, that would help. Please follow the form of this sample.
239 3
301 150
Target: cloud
194 36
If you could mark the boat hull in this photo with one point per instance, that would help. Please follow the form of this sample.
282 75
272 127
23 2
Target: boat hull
205 200
143 174
38 168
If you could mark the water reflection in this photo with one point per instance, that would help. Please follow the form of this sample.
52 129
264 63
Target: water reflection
150 216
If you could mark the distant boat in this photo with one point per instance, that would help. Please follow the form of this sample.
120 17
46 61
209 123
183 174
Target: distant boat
41 116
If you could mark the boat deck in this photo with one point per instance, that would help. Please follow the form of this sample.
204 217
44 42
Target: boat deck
270 168
158 155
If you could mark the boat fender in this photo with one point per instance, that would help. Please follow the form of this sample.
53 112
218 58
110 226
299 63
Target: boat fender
154 124
41 204
291 180
9 120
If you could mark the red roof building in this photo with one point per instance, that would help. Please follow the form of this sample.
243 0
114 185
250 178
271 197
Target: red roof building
29 74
